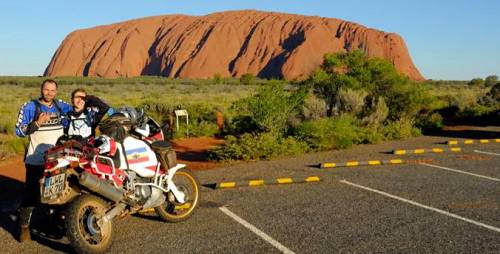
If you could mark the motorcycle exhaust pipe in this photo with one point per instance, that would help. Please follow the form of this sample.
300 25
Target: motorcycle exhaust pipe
101 187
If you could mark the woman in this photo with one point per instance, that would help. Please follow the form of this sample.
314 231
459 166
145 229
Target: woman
88 110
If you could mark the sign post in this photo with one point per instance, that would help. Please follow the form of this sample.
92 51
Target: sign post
180 113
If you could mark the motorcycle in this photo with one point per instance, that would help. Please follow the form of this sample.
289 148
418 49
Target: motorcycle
93 187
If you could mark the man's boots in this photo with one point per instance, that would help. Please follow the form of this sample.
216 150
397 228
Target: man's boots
24 224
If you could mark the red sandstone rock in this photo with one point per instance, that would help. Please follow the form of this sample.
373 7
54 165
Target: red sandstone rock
233 43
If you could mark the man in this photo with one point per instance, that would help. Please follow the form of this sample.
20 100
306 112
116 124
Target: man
88 110
41 121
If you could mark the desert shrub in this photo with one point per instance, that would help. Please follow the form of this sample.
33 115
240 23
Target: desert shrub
399 129
371 134
329 133
490 80
476 82
270 108
314 108
379 77
430 121
200 129
247 79
351 101
218 79
256 146
10 144
492 97
374 112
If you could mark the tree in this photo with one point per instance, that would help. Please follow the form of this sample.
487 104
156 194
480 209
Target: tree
378 77
476 82
490 80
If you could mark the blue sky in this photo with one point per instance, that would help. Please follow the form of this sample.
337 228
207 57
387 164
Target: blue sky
447 39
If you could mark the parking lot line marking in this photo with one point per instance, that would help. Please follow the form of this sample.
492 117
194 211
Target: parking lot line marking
461 172
352 163
374 163
255 230
477 223
490 153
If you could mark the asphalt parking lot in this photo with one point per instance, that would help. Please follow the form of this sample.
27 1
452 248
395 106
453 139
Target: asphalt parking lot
435 203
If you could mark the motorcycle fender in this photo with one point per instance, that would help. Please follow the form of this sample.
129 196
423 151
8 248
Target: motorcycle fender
179 196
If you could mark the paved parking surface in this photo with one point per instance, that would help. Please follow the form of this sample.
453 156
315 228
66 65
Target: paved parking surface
448 205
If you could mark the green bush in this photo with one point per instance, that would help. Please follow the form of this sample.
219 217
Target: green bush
379 77
375 111
256 146
351 101
430 122
270 108
329 133
247 79
200 129
314 108
10 144
400 129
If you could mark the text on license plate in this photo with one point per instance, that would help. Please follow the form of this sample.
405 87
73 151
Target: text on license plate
54 185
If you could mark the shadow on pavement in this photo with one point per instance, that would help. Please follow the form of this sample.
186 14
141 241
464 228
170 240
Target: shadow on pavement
468 134
44 230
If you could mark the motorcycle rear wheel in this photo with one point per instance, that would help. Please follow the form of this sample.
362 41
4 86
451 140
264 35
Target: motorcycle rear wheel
173 211
82 230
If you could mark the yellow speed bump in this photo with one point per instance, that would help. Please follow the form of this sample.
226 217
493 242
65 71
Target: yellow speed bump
472 141
263 182
360 163
431 150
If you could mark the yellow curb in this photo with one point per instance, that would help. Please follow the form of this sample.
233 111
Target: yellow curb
255 182
437 150
469 141
399 152
455 149
497 140
453 142
312 179
352 163
227 185
284 180
396 161
328 165
484 141
419 151
374 162
184 206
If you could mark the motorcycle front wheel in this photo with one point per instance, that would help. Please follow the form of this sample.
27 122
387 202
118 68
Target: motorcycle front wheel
173 211
82 228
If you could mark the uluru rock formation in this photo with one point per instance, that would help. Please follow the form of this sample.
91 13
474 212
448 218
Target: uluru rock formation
233 43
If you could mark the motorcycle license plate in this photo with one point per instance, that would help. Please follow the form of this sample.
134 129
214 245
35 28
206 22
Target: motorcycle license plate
54 185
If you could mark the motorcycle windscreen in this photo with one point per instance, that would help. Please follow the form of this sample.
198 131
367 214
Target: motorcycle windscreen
140 157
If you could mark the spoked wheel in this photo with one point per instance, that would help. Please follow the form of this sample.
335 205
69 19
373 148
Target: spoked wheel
84 232
174 211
